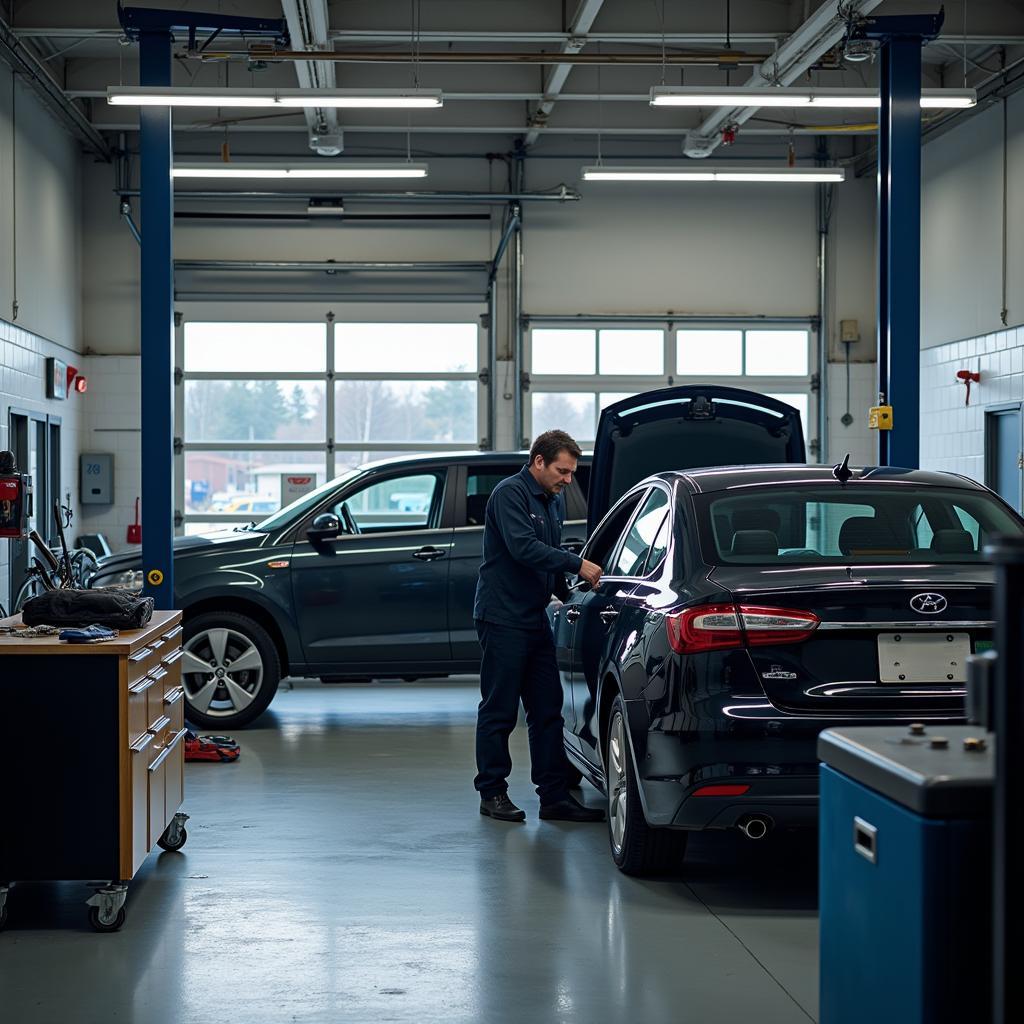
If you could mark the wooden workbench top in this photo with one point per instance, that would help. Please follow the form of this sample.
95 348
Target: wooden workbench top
126 643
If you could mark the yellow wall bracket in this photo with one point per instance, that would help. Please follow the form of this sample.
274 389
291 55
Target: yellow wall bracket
880 417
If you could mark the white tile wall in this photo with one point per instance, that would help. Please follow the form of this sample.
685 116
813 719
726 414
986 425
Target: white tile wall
857 438
111 424
952 433
23 358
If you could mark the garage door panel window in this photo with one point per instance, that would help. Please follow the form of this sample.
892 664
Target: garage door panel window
255 347
709 353
254 410
777 353
565 410
376 410
405 348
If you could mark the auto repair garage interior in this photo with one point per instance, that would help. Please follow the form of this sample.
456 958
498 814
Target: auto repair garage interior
249 248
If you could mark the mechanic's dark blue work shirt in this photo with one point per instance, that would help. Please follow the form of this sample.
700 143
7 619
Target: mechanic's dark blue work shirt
522 534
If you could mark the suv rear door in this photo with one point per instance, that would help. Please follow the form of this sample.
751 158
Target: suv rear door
687 427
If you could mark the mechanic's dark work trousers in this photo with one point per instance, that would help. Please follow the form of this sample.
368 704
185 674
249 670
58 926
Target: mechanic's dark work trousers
519 664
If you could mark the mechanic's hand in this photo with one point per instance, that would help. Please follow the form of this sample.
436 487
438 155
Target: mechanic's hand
591 572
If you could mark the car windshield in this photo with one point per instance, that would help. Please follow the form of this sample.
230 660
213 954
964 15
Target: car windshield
302 505
855 525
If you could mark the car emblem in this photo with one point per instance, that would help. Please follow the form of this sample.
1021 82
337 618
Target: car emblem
778 672
928 604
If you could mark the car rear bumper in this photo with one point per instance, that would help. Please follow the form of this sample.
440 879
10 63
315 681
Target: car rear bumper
775 756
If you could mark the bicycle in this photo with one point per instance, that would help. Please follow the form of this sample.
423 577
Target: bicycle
58 569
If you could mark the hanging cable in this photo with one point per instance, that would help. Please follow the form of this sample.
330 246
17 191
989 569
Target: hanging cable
14 196
1004 312
965 42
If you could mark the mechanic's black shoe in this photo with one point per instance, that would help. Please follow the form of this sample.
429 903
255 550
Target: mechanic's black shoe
570 809
502 808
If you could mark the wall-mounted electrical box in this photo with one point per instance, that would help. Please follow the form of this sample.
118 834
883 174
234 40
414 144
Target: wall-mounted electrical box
96 478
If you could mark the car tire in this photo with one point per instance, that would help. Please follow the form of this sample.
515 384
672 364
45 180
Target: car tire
637 848
227 701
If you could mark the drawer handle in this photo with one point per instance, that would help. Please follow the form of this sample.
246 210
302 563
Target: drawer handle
140 655
142 685
160 724
173 633
158 673
865 840
156 644
141 743
174 696
172 658
167 750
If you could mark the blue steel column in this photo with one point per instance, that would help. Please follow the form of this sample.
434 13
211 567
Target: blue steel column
157 333
899 314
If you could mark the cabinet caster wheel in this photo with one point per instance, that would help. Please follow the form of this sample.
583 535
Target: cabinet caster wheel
166 843
99 925
175 836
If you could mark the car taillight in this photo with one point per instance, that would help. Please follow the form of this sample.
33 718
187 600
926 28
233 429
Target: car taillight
776 625
716 627
711 627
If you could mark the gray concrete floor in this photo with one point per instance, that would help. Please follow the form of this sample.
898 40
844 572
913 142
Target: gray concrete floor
340 872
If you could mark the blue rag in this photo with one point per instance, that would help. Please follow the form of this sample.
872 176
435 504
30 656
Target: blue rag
87 635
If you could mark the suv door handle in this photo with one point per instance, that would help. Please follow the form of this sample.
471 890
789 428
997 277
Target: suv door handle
608 616
428 554
572 614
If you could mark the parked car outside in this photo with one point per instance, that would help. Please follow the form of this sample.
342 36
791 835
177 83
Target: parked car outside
745 609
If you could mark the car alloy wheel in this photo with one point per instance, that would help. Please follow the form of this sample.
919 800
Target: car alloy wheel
222 670
618 795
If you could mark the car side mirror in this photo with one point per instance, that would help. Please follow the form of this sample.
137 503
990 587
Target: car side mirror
325 526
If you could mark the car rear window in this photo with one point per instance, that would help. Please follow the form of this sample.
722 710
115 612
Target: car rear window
857 524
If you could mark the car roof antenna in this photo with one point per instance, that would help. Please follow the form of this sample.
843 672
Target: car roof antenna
842 472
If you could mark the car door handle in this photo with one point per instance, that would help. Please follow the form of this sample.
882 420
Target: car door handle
608 616
428 554
572 614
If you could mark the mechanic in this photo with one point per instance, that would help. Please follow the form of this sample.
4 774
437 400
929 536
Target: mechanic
523 565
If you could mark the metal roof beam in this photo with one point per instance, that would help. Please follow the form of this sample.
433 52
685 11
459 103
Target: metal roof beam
582 22
309 27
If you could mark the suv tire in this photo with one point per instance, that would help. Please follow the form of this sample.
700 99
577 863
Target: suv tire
216 697
637 848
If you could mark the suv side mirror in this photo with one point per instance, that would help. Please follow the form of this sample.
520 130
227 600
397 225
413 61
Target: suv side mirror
326 526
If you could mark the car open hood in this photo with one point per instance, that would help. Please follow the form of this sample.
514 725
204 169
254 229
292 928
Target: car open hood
687 427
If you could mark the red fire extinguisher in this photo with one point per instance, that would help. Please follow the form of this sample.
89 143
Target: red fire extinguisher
135 529
15 498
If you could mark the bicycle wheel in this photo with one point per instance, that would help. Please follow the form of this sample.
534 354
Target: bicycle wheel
83 566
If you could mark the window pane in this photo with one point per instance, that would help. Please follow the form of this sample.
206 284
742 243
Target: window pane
563 410
403 503
777 353
622 352
557 351
249 483
637 544
658 548
405 348
480 481
709 353
797 401
231 347
373 410
254 410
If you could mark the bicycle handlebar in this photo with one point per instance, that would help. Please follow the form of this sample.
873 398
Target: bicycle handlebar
48 556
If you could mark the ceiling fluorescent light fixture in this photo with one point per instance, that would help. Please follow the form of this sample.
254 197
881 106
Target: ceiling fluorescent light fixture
719 173
797 96
325 168
161 96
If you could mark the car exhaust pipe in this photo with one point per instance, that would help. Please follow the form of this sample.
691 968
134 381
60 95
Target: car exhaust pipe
755 826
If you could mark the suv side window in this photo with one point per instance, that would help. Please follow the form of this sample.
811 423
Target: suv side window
480 481
636 545
408 502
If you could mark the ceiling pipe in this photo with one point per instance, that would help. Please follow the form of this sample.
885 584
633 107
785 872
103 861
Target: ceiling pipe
724 58
561 194
801 52
338 267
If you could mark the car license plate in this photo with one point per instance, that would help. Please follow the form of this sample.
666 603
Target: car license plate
923 657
